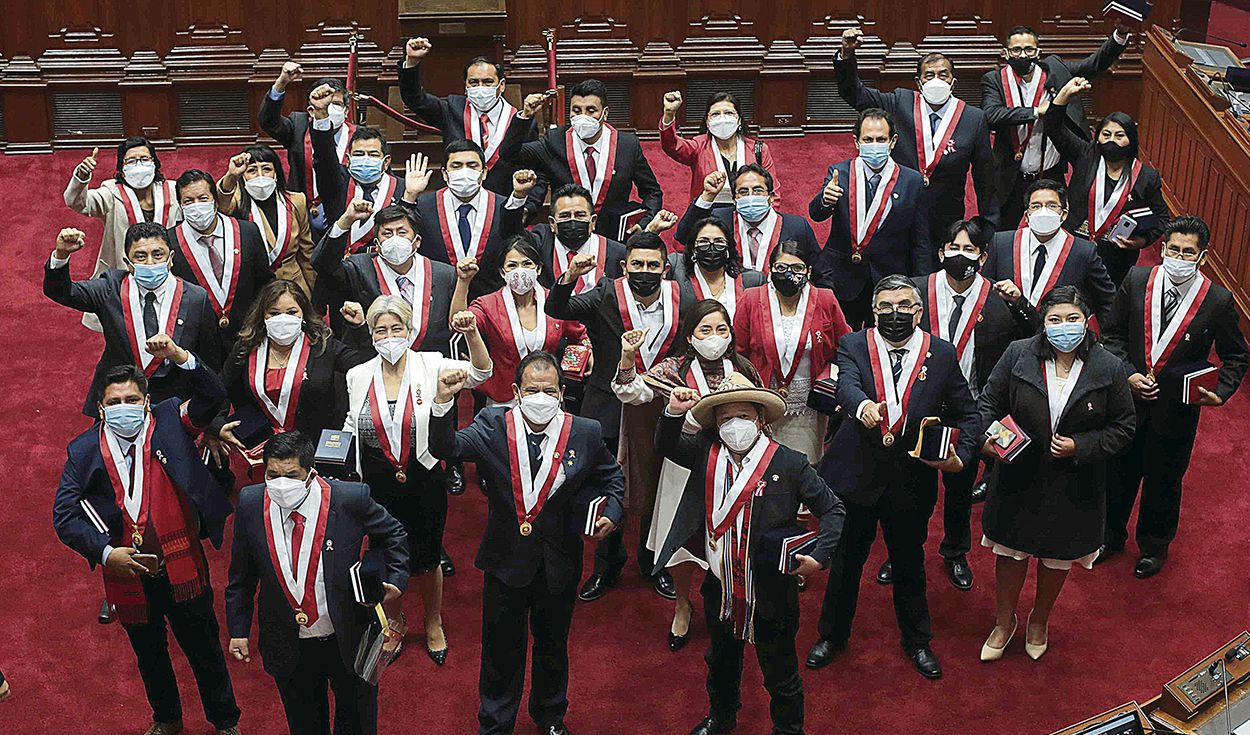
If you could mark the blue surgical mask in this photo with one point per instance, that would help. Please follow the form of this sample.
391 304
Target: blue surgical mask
1065 337
753 208
365 169
874 154
125 419
151 276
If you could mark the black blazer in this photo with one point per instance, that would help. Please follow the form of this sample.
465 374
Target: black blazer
1083 269
504 224
789 481
555 546
1003 119
289 131
545 237
945 193
1215 324
253 273
352 516
333 178
793 227
856 454
900 244
195 329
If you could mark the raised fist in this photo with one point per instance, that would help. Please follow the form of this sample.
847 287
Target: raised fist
582 264
291 71
68 241
522 181
682 399
713 183
238 164
353 313
466 269
852 38
672 103
415 50
464 322
662 221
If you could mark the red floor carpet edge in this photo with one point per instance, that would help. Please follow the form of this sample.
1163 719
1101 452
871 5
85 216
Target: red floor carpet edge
1113 638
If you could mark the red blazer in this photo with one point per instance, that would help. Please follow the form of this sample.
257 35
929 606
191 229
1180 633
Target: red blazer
492 321
754 333
699 153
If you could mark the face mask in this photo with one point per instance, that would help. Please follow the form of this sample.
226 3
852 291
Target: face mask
573 232
287 492
150 276
1113 151
365 169
959 265
200 215
710 348
521 280
896 326
753 208
711 258
1179 270
139 175
463 182
284 328
723 127
261 187
482 98
125 419
585 126
644 284
1044 222
391 348
337 113
874 154
739 434
788 284
396 249
1065 337
1021 66
936 92
540 408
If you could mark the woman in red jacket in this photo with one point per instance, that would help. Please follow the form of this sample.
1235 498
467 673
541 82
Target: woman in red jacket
790 329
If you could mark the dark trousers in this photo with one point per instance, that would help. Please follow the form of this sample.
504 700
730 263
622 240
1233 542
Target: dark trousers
858 311
610 554
510 615
1118 260
306 701
1156 463
957 511
903 511
194 624
776 625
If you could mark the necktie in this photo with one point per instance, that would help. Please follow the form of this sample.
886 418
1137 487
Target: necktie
485 121
466 229
934 120
1171 300
369 190
753 234
536 453
130 463
214 257
150 325
592 170
297 537
405 288
873 182
896 364
1039 265
956 313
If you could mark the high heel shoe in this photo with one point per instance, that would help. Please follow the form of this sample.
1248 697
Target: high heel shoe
439 657
676 641
1035 650
990 653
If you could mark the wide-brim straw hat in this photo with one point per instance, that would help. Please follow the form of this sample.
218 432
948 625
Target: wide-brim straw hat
736 388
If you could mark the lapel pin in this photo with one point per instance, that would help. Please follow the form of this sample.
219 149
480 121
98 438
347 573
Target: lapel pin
329 545
1090 405
980 318
775 478
1186 336
180 321
161 456
924 372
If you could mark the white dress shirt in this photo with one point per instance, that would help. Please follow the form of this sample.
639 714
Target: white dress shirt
945 302
311 510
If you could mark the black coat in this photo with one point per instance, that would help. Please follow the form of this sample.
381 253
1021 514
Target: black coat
253 273
792 227
1083 269
1040 505
504 224
289 131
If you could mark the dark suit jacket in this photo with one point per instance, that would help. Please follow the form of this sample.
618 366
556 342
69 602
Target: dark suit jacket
793 227
85 479
504 224
900 244
856 462
1215 324
945 193
555 546
1083 269
352 517
289 131
253 272
195 329
546 239
333 178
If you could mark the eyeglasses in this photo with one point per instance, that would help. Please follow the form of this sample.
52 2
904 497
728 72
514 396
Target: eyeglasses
138 159
719 244
758 191
728 114
1174 252
797 269
1038 206
884 309
1022 52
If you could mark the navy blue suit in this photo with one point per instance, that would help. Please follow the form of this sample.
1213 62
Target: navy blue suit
504 224
1083 269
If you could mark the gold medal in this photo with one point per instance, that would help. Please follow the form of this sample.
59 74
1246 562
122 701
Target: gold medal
926 179
526 528
301 617
783 390
888 439
856 257
711 542
401 477
224 321
1150 376
137 538
1019 155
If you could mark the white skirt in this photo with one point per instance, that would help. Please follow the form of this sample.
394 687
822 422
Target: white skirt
803 431
1086 561
668 495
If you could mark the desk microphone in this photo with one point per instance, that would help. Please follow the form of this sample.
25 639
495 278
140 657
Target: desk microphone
1204 34
1220 665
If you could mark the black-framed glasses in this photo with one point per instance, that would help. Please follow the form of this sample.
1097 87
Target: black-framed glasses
717 244
797 269
884 309
1174 252
1023 52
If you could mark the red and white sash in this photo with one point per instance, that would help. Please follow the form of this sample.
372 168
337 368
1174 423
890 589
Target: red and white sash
980 293
422 277
281 414
394 430
930 147
654 346
1160 342
603 174
515 331
130 487
484 206
866 216
220 293
786 354
342 137
300 588
132 310
729 295
1013 91
530 493
696 379
278 242
473 129
770 235
1103 210
913 366
563 256
362 231
1022 255
163 200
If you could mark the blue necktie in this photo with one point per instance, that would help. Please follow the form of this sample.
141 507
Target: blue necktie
934 120
873 182
536 452
466 231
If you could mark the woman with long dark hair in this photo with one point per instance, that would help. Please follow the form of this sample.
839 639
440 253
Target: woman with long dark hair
713 266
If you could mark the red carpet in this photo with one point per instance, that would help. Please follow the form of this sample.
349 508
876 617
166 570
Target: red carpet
1114 638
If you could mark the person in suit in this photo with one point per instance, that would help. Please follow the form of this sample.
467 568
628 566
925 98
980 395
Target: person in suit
756 225
589 152
1108 182
226 257
1070 396
135 499
754 486
480 115
543 469
281 216
880 387
1042 254
880 228
722 146
135 305
296 537
1201 314
1016 98
712 268
570 231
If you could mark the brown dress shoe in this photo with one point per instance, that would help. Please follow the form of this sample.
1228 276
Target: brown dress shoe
164 728
5 692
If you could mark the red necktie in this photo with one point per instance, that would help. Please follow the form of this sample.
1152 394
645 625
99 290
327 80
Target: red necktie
297 537
591 169
214 257
485 120
753 234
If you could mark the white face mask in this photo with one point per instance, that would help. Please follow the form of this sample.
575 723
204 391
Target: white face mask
464 182
1044 222
261 187
723 127
287 492
391 348
585 126
521 280
710 348
337 113
200 215
139 175
739 434
1179 270
482 98
396 249
936 92
284 328
540 408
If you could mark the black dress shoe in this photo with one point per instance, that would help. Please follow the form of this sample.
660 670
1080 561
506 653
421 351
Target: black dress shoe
438 657
885 575
959 572
455 482
926 663
449 569
664 585
1148 566
1108 553
677 642
106 613
979 491
596 586
711 725
822 652
556 730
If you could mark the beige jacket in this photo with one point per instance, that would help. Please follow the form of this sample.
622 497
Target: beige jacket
296 263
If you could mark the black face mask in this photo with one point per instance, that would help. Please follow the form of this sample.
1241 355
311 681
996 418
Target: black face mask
789 284
896 326
1021 66
643 284
960 267
1113 151
573 232
711 258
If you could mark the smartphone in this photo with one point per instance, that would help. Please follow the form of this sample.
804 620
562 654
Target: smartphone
150 562
1124 228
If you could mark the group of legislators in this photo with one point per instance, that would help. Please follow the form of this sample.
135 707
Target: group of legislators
758 401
